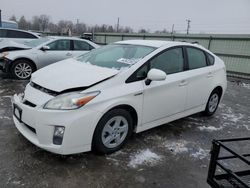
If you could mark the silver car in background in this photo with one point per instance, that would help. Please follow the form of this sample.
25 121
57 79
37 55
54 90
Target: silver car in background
35 54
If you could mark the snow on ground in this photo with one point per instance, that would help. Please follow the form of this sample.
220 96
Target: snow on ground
183 146
232 117
228 114
144 157
177 147
247 127
2 90
209 128
200 154
5 117
245 85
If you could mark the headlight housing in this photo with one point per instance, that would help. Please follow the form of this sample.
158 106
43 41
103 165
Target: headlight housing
70 101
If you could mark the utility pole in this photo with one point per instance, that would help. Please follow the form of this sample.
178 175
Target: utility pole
0 18
118 22
172 32
188 25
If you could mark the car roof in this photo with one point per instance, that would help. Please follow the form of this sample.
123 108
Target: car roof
71 38
155 43
64 37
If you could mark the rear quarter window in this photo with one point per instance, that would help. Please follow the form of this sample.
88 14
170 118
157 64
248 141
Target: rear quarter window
210 59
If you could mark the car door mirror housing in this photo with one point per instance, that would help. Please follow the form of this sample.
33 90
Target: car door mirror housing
155 75
45 48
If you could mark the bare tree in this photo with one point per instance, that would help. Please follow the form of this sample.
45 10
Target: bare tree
44 21
23 24
13 18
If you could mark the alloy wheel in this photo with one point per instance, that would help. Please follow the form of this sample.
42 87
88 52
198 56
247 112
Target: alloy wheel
23 70
114 132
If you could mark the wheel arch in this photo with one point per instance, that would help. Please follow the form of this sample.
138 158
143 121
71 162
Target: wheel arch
23 58
131 111
218 88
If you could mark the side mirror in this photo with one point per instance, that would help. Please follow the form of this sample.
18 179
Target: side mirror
155 75
45 48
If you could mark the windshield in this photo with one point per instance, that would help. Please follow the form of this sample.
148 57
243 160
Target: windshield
116 56
35 42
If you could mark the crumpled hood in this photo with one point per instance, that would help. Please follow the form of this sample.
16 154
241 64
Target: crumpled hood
11 45
70 74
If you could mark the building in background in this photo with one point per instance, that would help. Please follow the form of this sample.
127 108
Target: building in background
9 24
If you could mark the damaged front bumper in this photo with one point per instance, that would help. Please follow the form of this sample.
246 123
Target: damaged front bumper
5 65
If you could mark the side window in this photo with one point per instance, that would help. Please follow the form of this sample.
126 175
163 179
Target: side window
19 34
81 45
196 58
3 33
60 45
210 59
170 61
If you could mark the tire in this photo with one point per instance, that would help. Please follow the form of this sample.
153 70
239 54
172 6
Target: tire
110 135
212 103
22 69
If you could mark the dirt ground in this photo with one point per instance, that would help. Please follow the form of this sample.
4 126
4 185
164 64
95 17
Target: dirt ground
175 155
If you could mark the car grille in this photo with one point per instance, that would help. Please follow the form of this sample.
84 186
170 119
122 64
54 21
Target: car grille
42 89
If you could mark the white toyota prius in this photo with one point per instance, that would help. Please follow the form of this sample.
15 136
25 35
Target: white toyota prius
97 100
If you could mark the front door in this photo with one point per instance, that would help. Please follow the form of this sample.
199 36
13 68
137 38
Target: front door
59 50
168 97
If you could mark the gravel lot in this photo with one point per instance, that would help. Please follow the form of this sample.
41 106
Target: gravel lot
174 155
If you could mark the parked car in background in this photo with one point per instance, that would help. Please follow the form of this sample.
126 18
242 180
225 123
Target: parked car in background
16 35
35 54
97 100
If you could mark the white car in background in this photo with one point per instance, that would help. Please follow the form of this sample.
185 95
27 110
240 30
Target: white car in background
35 54
97 100
7 34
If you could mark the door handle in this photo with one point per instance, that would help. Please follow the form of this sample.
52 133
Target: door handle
210 74
68 54
183 83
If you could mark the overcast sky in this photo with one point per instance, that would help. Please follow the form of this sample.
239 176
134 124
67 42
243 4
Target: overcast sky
207 16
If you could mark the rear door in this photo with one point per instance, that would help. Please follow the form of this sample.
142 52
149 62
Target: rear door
59 50
200 78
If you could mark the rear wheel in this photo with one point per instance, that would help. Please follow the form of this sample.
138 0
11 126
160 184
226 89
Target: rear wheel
212 103
22 69
112 131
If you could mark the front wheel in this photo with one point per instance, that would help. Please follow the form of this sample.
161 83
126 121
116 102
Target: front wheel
212 103
112 131
22 69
